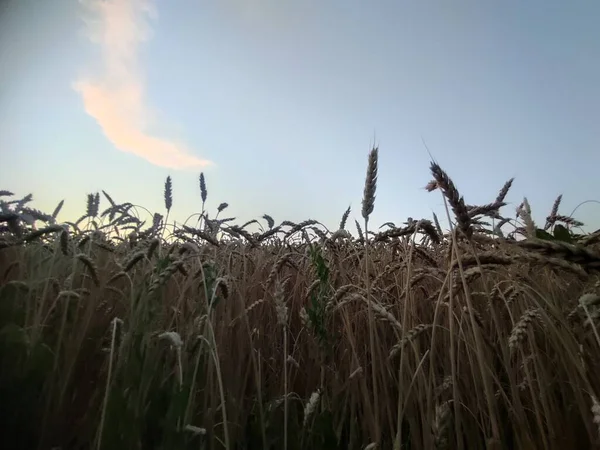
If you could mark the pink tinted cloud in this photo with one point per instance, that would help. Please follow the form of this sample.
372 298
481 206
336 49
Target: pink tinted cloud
115 98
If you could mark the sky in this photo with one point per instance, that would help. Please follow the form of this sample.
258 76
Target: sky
278 102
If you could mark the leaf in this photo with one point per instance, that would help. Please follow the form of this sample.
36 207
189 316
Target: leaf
562 234
541 234
577 237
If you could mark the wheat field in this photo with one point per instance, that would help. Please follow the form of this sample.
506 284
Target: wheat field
121 334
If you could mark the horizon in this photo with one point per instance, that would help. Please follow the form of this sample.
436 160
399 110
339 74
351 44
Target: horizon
279 103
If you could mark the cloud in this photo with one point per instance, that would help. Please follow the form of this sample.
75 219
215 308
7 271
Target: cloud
115 98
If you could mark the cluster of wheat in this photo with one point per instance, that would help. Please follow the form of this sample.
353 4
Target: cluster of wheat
115 333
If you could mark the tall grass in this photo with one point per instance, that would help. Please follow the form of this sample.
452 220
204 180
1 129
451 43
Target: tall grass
117 333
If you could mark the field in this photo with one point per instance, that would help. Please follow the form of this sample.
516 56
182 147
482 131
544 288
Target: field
121 334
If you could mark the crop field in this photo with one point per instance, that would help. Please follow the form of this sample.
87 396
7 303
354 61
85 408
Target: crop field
122 333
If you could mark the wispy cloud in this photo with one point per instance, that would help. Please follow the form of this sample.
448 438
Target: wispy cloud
115 97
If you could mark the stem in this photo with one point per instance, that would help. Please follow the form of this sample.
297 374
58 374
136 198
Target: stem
108 379
285 384
215 355
371 331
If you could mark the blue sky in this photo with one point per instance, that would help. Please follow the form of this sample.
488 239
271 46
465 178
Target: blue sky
279 102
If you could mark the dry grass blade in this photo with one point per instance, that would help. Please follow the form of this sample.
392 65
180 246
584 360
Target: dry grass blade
553 213
590 239
410 337
368 202
338 235
596 413
203 192
87 261
519 332
589 300
201 234
493 353
485 258
276 268
568 220
427 227
442 426
454 199
234 229
254 305
43 231
168 194
135 258
502 194
359 230
394 233
223 285
437 225
117 276
152 248
311 406
544 260
300 226
572 253
269 219
65 239
344 218
267 234
490 210
524 211
93 203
